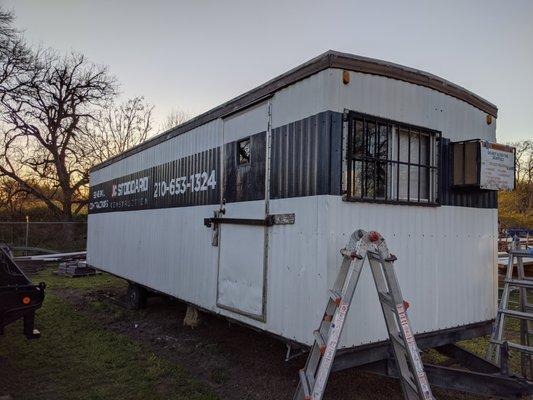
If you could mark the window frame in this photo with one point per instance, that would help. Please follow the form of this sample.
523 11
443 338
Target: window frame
392 161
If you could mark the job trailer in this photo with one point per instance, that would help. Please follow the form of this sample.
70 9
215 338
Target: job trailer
242 210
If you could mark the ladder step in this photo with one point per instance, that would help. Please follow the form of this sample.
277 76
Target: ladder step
320 341
335 296
374 256
520 253
305 385
398 340
386 299
350 254
411 385
526 283
529 307
515 346
517 314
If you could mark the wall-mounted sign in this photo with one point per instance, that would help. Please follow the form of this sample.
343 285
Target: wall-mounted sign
484 165
497 166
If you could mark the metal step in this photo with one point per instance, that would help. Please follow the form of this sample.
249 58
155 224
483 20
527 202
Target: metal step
320 341
515 346
387 300
525 283
521 253
398 339
335 296
517 314
305 385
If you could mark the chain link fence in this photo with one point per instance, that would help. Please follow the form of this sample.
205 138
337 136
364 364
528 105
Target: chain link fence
53 236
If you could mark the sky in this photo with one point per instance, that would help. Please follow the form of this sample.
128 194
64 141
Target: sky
192 56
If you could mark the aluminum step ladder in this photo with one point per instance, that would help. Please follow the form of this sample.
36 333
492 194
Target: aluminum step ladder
524 314
314 376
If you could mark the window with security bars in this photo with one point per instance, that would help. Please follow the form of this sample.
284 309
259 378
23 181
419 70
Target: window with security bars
388 161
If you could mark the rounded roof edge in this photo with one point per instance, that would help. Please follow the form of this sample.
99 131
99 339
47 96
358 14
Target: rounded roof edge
410 75
329 59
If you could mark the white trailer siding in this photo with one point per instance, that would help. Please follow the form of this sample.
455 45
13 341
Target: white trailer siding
446 255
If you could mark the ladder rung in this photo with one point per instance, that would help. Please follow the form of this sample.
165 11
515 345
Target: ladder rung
350 254
335 296
517 314
520 253
320 341
387 300
411 384
526 283
326 323
515 346
305 385
398 339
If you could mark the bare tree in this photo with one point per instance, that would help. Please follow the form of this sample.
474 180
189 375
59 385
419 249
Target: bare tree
7 31
524 160
44 113
115 128
175 118
12 198
16 60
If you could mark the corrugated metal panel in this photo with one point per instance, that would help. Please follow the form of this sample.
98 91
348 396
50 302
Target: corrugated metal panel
445 265
306 157
245 182
203 138
412 104
446 254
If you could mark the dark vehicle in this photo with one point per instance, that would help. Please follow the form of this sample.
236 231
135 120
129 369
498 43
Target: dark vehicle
19 298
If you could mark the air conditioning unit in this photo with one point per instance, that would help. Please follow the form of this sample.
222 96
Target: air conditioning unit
483 165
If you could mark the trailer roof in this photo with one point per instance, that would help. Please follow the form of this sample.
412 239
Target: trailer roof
329 59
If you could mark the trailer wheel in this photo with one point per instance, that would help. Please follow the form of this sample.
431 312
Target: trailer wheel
136 297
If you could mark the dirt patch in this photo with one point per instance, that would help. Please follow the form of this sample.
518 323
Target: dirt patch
235 361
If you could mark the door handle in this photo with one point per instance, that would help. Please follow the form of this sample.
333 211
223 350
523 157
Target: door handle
269 220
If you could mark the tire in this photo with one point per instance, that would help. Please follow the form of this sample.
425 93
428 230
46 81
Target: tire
136 297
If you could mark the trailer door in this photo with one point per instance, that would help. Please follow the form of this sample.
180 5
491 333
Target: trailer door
243 233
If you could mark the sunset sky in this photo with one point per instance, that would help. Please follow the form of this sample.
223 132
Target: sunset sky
195 55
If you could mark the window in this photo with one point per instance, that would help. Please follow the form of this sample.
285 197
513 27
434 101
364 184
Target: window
466 163
390 161
243 151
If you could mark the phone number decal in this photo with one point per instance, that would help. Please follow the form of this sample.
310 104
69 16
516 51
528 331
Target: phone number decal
199 182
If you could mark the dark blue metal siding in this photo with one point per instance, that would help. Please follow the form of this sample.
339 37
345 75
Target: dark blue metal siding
192 180
306 161
245 182
306 157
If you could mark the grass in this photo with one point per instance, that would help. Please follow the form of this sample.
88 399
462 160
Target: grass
78 359
479 345
55 282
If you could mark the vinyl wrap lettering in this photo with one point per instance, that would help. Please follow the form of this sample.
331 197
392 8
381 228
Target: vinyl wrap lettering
306 160
189 181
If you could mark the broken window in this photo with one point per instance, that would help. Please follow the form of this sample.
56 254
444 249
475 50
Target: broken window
243 149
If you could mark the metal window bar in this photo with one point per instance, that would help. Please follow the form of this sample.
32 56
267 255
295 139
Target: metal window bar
350 164
409 165
419 161
370 156
398 164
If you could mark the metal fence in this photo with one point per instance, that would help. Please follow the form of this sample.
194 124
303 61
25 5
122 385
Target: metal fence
54 236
